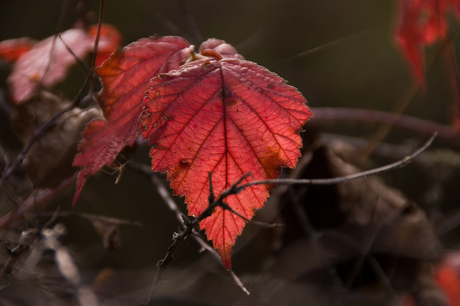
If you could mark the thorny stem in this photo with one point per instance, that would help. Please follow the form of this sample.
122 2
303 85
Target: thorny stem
330 181
236 188
166 196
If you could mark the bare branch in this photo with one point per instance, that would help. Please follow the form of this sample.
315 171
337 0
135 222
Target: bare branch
91 217
373 116
44 196
82 64
187 224
330 181
99 24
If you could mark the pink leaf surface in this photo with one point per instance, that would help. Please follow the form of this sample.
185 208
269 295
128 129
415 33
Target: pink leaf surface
47 63
12 49
228 116
125 77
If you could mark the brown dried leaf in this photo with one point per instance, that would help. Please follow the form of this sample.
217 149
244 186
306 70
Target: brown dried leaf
49 161
362 231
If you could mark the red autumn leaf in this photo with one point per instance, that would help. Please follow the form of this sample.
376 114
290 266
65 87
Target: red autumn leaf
228 116
421 23
109 40
12 49
409 36
436 25
125 77
447 275
47 63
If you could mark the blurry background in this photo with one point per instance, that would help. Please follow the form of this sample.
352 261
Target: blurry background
357 67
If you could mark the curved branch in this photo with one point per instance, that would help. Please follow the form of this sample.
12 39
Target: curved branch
403 121
234 189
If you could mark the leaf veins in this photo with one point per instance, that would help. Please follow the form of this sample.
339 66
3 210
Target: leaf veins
228 116
125 77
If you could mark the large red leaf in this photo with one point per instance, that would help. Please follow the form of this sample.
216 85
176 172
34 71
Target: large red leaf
125 77
228 116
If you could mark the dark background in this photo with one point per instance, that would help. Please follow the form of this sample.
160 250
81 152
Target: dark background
361 69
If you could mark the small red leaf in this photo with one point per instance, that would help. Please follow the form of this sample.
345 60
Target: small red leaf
409 36
421 23
227 116
436 26
220 46
447 275
47 63
125 76
12 49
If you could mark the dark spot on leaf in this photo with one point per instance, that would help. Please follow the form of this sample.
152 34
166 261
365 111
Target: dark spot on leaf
184 164
229 97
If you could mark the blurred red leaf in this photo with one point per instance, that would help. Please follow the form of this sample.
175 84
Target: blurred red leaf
421 23
409 36
447 274
47 63
12 49
109 41
125 77
228 116
436 24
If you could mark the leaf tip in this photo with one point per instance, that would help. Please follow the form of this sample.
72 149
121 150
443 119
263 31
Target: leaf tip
225 253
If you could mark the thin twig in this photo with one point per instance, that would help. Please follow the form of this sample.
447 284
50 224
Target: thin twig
237 188
167 198
65 6
191 224
82 64
325 46
191 22
330 181
102 218
98 34
34 200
